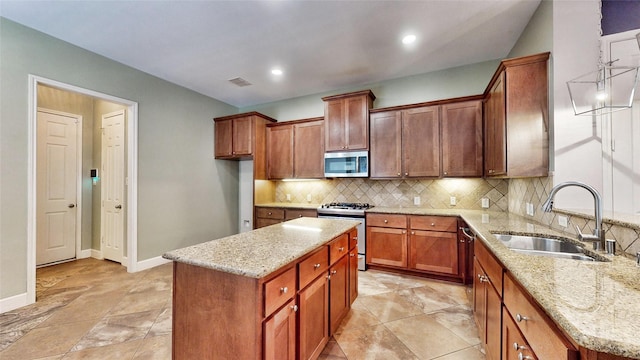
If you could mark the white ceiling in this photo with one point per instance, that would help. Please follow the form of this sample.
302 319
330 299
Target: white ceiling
320 45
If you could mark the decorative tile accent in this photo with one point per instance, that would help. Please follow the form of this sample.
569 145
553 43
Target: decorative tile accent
399 193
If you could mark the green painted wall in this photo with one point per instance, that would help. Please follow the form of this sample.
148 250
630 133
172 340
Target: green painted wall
184 195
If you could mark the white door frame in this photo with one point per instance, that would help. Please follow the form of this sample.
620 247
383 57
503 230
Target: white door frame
78 173
132 175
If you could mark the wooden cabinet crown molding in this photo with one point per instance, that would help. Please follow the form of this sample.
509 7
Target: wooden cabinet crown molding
295 122
351 94
522 60
427 103
251 113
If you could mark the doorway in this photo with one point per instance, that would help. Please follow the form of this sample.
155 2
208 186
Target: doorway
88 204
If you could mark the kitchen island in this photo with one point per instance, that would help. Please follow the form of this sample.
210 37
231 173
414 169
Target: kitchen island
270 293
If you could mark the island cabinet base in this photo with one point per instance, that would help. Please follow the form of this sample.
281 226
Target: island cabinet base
214 314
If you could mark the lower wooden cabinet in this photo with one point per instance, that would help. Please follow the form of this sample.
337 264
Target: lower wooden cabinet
514 345
269 215
353 275
338 293
280 334
487 302
314 318
419 244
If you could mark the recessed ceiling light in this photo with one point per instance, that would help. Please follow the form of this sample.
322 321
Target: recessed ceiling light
409 39
276 72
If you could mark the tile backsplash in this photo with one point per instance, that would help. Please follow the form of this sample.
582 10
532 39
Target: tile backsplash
399 193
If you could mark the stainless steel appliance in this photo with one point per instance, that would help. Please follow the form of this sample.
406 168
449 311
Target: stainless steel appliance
346 164
350 211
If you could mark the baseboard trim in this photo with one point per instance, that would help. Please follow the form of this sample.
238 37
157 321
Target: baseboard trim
96 254
84 254
151 263
13 302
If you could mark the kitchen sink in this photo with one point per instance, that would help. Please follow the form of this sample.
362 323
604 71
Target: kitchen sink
541 246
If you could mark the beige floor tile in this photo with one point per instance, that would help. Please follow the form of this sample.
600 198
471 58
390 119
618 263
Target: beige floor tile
398 281
154 348
426 299
135 302
47 341
125 350
373 343
471 353
460 321
332 352
426 337
163 324
358 317
390 306
457 292
85 307
118 329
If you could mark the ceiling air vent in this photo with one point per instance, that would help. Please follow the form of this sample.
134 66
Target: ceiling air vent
239 82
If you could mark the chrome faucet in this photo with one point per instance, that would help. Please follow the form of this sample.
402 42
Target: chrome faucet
598 237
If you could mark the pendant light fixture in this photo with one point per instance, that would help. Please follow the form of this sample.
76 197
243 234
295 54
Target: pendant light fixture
608 89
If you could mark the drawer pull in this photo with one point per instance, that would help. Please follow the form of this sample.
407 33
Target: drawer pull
300 215
520 318
284 290
521 356
386 221
355 238
433 224
294 308
316 266
483 278
341 249
413 233
352 255
333 272
517 346
270 213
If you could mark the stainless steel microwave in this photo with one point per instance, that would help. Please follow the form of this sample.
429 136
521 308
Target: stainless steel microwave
346 164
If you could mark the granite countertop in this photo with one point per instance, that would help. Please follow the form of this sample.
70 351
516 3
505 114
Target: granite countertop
595 303
290 205
262 251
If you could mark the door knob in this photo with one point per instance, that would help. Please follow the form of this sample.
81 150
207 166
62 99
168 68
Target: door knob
118 206
71 206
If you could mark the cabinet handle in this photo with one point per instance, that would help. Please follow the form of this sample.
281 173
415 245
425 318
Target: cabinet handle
413 233
521 356
341 249
355 238
404 231
333 272
294 308
270 213
516 346
316 266
461 240
406 174
352 255
399 174
520 318
386 221
300 215
284 290
433 224
445 173
483 278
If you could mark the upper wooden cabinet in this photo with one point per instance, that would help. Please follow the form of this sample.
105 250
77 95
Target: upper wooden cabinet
242 136
517 118
429 141
347 121
405 143
295 149
462 139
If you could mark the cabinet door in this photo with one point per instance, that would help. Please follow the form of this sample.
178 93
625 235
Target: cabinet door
434 251
334 125
280 334
313 315
421 142
280 152
495 162
386 145
357 111
353 275
309 150
480 301
243 136
462 139
223 138
338 293
493 323
514 345
386 246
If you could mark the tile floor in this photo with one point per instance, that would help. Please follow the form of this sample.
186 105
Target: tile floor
93 309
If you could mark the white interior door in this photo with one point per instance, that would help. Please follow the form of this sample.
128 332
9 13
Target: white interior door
56 187
112 218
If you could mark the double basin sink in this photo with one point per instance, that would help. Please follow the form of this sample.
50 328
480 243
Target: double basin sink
541 246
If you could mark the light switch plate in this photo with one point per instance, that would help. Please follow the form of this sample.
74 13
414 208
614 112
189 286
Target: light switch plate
562 221
485 203
452 200
416 200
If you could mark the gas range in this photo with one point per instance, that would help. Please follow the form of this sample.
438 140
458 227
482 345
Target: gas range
344 208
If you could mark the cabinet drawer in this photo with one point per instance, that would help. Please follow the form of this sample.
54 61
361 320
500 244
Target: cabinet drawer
387 220
338 248
513 343
490 265
279 290
290 214
311 267
538 329
270 213
434 223
353 239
